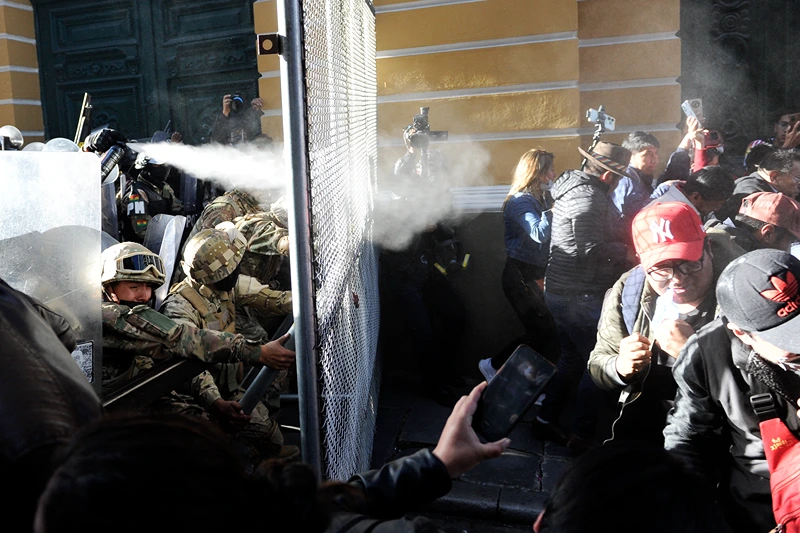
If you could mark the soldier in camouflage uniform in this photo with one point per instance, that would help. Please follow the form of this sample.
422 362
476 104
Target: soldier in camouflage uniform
266 254
224 208
207 298
134 334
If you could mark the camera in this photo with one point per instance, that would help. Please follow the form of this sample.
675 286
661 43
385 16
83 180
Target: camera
419 133
237 103
598 116
711 139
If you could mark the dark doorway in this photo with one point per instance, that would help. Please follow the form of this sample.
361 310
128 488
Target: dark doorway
145 62
740 57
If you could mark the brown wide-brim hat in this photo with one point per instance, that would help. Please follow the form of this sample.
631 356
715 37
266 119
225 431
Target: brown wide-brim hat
611 157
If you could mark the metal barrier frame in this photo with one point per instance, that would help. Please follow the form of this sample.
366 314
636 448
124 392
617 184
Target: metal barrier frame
292 65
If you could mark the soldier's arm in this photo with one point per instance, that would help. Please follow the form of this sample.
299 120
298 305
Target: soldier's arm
264 236
176 206
147 331
204 389
214 214
249 291
181 311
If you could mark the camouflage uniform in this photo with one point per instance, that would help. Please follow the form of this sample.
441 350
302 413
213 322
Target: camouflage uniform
224 208
134 336
132 332
262 260
196 303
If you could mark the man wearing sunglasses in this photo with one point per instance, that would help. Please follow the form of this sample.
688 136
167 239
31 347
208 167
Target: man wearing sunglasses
649 315
134 335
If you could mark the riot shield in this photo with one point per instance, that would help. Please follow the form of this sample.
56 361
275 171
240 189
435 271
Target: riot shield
170 246
109 205
156 227
189 194
107 241
50 241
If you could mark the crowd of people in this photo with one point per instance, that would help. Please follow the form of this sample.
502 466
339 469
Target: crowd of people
668 303
673 299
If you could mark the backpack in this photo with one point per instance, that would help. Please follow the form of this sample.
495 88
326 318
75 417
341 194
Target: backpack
782 449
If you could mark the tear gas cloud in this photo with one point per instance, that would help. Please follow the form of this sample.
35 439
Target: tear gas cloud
408 204
404 207
258 170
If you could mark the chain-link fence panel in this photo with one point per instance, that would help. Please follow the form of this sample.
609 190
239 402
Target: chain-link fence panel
341 96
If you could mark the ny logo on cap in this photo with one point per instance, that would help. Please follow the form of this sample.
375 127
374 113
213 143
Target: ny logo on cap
784 292
661 230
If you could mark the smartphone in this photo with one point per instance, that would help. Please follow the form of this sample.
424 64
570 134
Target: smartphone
511 393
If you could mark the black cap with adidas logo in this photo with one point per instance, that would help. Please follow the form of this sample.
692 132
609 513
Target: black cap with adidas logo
759 293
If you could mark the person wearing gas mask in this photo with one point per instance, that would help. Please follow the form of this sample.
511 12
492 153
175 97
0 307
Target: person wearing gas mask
239 121
146 196
207 299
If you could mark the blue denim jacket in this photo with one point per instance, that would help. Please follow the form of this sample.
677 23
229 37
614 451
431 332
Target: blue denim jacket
527 224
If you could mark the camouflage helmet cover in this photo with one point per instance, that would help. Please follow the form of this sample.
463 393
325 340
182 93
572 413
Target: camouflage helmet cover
213 254
150 269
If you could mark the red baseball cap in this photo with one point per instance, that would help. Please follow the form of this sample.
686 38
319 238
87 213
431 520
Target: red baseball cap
668 231
773 208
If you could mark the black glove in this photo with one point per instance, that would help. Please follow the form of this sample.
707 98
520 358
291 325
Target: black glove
102 140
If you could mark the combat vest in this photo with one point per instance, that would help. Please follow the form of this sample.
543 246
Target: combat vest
223 320
227 375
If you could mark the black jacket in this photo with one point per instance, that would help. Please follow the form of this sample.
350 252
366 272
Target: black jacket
715 429
587 254
44 399
745 186
403 485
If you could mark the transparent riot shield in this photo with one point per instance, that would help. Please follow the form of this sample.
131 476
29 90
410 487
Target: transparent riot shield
156 227
107 241
189 194
50 227
109 204
170 246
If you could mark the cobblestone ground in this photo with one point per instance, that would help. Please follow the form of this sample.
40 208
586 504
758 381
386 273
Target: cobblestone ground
504 494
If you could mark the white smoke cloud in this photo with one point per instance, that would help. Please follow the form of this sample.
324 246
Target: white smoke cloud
407 205
260 171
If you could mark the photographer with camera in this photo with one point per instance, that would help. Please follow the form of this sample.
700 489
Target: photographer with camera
419 274
238 121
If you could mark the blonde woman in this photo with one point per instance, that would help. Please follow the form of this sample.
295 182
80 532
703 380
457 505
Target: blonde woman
527 218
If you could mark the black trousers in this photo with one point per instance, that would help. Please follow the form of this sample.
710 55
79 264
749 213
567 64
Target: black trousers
527 298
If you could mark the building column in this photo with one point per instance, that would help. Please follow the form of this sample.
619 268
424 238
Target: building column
20 100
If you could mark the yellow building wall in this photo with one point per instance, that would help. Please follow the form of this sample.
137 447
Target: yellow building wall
20 101
510 75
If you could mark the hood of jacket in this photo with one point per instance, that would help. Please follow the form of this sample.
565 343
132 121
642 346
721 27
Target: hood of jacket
572 179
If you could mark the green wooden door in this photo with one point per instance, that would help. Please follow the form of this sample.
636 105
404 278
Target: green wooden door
145 62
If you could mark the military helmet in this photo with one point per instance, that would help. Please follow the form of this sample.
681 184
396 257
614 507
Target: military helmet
213 254
130 261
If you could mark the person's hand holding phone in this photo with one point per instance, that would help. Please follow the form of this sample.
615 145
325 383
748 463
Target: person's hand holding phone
692 131
459 447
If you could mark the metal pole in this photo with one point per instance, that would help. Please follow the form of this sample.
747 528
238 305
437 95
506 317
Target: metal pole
290 29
